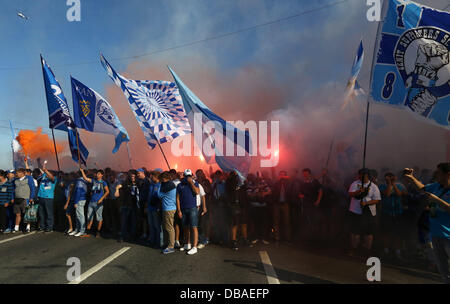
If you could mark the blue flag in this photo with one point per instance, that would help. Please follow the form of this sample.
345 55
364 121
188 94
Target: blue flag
353 88
225 136
59 114
412 68
93 113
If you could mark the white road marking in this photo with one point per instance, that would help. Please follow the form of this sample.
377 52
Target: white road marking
17 237
268 268
99 266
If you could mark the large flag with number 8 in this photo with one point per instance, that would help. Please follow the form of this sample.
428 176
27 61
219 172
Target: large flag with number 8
412 67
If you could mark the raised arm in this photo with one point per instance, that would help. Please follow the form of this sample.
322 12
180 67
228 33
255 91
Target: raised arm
89 180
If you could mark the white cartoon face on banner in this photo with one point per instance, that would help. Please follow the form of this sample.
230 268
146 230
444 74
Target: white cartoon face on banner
422 60
105 113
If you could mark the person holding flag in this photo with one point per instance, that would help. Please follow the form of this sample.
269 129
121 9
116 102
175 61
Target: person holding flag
93 113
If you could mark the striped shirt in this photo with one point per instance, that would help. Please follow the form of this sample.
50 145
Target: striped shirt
6 193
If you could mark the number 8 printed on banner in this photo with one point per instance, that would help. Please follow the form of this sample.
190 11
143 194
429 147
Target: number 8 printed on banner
388 85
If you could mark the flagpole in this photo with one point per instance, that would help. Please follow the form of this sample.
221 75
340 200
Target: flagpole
78 148
370 84
162 151
12 144
129 157
56 151
328 159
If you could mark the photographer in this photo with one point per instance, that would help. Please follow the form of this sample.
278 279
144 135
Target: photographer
364 197
438 198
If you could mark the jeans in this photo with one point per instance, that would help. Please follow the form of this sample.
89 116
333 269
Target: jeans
221 223
46 213
96 208
81 221
128 217
154 225
282 221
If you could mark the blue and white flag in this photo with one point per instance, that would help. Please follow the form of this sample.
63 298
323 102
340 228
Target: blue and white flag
353 88
59 114
412 68
18 157
156 105
220 135
93 113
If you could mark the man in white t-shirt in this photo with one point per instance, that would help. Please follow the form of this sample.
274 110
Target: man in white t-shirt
363 210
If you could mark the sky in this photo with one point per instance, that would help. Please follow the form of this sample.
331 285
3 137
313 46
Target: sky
293 70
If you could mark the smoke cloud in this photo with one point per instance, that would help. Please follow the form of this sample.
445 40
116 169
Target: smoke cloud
35 144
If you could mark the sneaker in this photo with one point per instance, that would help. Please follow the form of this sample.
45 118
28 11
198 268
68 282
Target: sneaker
81 234
255 241
201 246
69 231
186 247
168 250
7 230
177 244
192 251
235 245
73 232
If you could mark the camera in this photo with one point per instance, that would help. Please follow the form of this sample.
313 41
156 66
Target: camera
407 171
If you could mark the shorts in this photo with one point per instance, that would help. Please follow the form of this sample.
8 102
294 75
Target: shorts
362 224
19 205
98 209
190 217
239 215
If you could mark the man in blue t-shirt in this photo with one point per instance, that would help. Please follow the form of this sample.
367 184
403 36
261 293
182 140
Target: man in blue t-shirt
46 193
167 193
99 192
438 198
187 191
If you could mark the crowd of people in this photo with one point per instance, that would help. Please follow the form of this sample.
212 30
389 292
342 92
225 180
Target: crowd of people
398 214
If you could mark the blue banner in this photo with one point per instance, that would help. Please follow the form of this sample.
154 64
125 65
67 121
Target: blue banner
412 68
93 113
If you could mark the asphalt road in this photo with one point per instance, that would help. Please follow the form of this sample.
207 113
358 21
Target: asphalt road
42 258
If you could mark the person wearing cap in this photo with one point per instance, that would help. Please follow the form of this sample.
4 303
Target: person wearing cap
364 197
187 192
